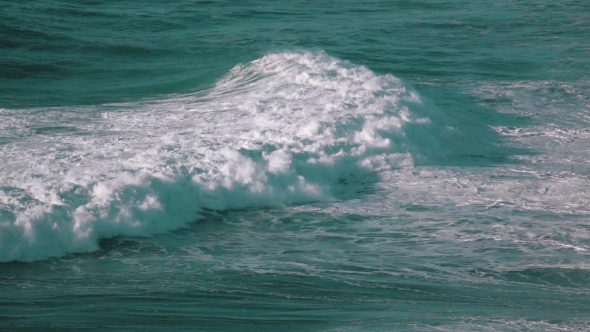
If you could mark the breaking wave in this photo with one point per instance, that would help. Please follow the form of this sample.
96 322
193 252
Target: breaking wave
286 128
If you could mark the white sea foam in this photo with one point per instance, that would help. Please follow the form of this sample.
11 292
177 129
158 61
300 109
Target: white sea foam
285 128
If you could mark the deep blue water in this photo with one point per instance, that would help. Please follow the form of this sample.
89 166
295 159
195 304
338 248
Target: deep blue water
294 165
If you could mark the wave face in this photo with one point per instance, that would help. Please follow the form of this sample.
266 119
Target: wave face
286 128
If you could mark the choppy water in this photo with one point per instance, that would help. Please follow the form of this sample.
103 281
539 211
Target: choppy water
295 165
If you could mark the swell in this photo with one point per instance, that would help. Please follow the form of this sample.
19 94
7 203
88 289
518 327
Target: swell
64 54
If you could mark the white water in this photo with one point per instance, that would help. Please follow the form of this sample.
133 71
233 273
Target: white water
286 128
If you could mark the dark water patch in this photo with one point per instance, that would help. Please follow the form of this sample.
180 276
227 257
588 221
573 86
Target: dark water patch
14 71
462 131
16 36
54 130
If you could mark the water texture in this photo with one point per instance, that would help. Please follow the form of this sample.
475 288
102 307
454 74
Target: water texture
294 165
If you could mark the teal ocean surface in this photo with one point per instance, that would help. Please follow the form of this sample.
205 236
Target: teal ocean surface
377 165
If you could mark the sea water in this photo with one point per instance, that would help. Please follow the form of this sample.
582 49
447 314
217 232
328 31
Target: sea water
301 165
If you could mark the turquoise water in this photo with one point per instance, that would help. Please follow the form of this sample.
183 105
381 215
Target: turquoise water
294 165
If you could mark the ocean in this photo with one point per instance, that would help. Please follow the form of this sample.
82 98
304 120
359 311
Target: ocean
379 165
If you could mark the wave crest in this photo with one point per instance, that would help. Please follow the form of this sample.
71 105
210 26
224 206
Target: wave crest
285 128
